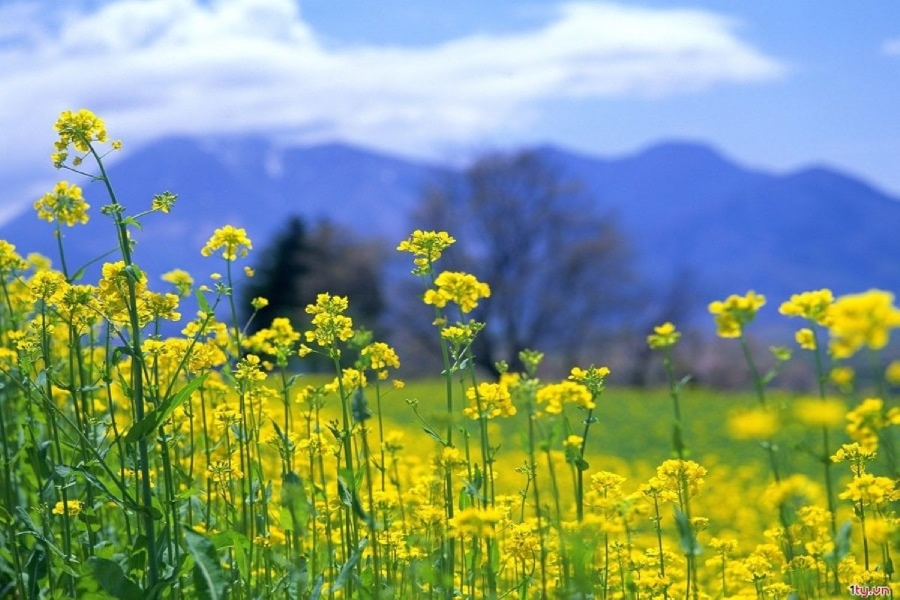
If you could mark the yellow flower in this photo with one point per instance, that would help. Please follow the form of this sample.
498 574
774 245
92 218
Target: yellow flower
806 338
10 261
475 522
813 306
49 286
753 424
795 488
842 377
164 202
462 289
556 395
892 372
259 303
181 279
426 247
870 490
461 334
593 378
232 240
676 475
248 369
732 314
330 325
817 412
71 507
489 400
79 130
663 336
381 356
866 420
64 204
862 320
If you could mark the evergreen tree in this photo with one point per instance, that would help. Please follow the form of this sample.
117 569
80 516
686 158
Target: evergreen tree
302 262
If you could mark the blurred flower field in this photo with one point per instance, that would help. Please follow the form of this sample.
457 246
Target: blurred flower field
203 466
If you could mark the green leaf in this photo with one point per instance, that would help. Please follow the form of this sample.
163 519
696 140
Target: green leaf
841 545
687 539
132 221
433 434
113 580
37 567
347 569
152 420
359 407
209 577
316 592
202 302
78 274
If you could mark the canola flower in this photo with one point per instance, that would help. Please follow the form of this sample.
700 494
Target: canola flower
78 130
427 247
862 321
65 204
663 336
232 241
463 289
735 312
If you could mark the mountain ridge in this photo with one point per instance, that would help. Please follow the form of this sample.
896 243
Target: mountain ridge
684 207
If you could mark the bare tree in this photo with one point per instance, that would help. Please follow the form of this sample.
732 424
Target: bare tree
558 268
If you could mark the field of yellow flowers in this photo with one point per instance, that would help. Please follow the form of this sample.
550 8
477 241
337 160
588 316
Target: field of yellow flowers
134 466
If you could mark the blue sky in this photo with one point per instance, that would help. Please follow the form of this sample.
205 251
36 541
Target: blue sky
774 84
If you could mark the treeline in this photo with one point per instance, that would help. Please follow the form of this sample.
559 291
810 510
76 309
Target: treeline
560 271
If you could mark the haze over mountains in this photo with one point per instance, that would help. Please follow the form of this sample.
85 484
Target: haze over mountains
685 209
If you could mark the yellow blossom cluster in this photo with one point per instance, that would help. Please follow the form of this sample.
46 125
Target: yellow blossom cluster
862 321
463 289
735 312
489 400
65 204
426 248
233 242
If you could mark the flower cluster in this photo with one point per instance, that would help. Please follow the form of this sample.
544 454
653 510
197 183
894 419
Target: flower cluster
489 400
65 204
735 312
233 242
663 336
79 130
330 324
463 289
426 248
862 320
555 396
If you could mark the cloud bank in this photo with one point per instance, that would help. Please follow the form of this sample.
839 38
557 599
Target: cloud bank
158 67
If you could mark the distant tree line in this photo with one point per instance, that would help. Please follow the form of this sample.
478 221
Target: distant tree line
560 270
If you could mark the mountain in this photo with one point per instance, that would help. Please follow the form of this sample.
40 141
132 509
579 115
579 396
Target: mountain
686 210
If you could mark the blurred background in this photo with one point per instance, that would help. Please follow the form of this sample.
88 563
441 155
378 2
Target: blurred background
605 166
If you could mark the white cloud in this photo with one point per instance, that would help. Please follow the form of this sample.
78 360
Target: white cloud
155 67
891 47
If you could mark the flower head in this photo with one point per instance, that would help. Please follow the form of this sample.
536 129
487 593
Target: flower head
233 242
64 204
663 336
181 279
426 247
462 289
813 306
79 130
557 395
862 320
735 312
489 400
